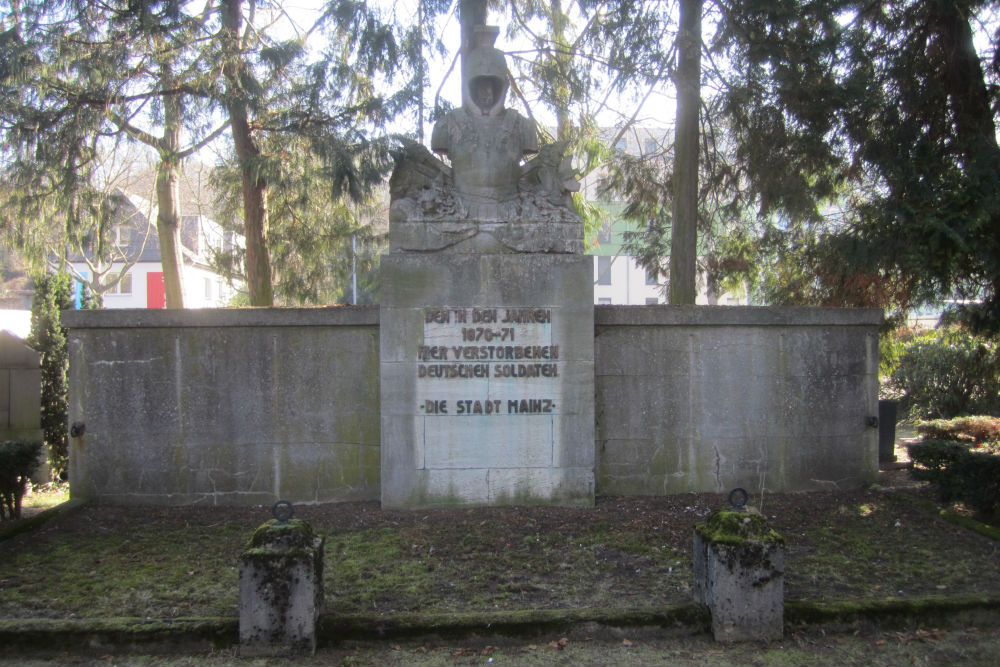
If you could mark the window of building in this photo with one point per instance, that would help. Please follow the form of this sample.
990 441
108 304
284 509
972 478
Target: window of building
604 236
650 147
213 240
652 301
123 286
603 270
622 144
651 277
208 288
121 235
604 301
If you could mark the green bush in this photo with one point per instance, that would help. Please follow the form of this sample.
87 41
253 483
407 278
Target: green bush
959 474
947 373
891 343
18 460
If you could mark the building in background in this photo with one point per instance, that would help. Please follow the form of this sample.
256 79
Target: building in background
619 279
136 250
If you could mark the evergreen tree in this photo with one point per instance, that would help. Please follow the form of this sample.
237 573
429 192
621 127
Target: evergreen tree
890 108
82 77
97 240
670 185
583 54
240 86
310 145
53 294
315 234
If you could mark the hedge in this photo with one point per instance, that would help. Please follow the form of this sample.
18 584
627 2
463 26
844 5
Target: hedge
959 474
979 429
18 459
947 373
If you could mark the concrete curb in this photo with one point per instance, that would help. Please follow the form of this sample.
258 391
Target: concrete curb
45 635
31 523
201 634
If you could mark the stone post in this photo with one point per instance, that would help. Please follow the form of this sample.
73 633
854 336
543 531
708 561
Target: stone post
281 589
739 567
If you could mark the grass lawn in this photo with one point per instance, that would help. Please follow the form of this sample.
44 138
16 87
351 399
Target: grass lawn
623 554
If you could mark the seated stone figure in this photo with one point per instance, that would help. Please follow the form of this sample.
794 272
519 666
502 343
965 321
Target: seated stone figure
485 141
487 145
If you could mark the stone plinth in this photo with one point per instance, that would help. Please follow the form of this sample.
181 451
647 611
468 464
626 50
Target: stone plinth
739 568
281 589
487 379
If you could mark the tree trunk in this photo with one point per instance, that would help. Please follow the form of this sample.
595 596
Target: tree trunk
470 14
421 70
168 231
255 216
168 217
963 78
561 61
684 228
975 128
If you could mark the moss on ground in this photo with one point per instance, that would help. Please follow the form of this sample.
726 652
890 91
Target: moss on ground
624 554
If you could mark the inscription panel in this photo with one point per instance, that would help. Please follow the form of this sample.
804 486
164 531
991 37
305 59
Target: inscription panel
487 362
486 379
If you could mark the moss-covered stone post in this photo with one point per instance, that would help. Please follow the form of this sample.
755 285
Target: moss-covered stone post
739 565
281 589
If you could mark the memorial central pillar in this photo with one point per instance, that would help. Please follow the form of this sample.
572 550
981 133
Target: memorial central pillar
487 319
487 376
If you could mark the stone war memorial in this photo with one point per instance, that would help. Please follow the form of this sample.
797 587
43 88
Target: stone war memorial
486 376
486 343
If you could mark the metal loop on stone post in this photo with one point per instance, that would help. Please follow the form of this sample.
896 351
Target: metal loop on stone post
738 499
283 511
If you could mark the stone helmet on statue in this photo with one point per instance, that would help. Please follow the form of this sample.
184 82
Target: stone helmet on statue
485 84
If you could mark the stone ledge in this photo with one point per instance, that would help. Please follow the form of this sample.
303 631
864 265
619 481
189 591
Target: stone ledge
735 316
369 316
322 316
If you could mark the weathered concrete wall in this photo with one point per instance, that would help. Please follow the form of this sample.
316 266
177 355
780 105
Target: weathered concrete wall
708 398
20 390
21 397
244 407
225 407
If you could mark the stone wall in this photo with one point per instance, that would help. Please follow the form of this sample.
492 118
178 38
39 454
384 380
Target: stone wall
242 407
20 390
228 407
705 398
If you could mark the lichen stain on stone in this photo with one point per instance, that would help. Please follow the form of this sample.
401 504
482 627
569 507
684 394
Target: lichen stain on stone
733 528
293 536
